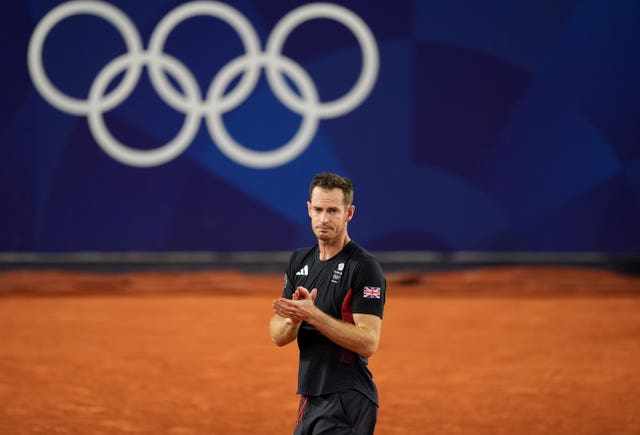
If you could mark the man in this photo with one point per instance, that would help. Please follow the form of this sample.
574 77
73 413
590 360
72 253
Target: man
333 300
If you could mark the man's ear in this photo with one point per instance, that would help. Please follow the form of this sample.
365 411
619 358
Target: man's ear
350 211
309 208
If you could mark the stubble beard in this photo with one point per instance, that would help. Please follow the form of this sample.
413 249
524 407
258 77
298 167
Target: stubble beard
325 236
330 235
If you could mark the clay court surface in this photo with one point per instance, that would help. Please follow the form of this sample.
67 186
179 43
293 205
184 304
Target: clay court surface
488 351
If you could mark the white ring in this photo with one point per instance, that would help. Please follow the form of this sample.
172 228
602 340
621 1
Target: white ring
231 16
39 76
370 60
132 156
263 159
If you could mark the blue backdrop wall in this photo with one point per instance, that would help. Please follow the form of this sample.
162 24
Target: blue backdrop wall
181 126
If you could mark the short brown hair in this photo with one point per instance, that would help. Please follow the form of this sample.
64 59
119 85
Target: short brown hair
328 181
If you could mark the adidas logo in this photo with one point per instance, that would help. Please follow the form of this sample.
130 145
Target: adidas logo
304 271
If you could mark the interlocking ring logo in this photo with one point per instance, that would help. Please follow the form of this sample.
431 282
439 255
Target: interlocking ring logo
190 101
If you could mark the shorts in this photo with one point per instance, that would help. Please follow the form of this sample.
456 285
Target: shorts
344 412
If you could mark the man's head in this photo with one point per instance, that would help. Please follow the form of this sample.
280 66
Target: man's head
330 206
329 181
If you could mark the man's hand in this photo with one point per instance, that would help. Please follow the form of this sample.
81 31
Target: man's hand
362 336
300 307
302 293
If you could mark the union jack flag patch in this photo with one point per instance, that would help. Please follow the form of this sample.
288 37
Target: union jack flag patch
372 292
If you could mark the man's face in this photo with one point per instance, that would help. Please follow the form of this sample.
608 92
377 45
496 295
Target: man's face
328 214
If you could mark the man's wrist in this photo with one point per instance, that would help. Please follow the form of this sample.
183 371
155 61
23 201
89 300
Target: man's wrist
314 316
291 322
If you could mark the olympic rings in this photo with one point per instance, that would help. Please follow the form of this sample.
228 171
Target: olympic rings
190 101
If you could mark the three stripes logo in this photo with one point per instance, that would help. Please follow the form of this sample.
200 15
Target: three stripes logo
304 271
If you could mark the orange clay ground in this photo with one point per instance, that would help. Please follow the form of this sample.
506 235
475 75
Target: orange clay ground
489 351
